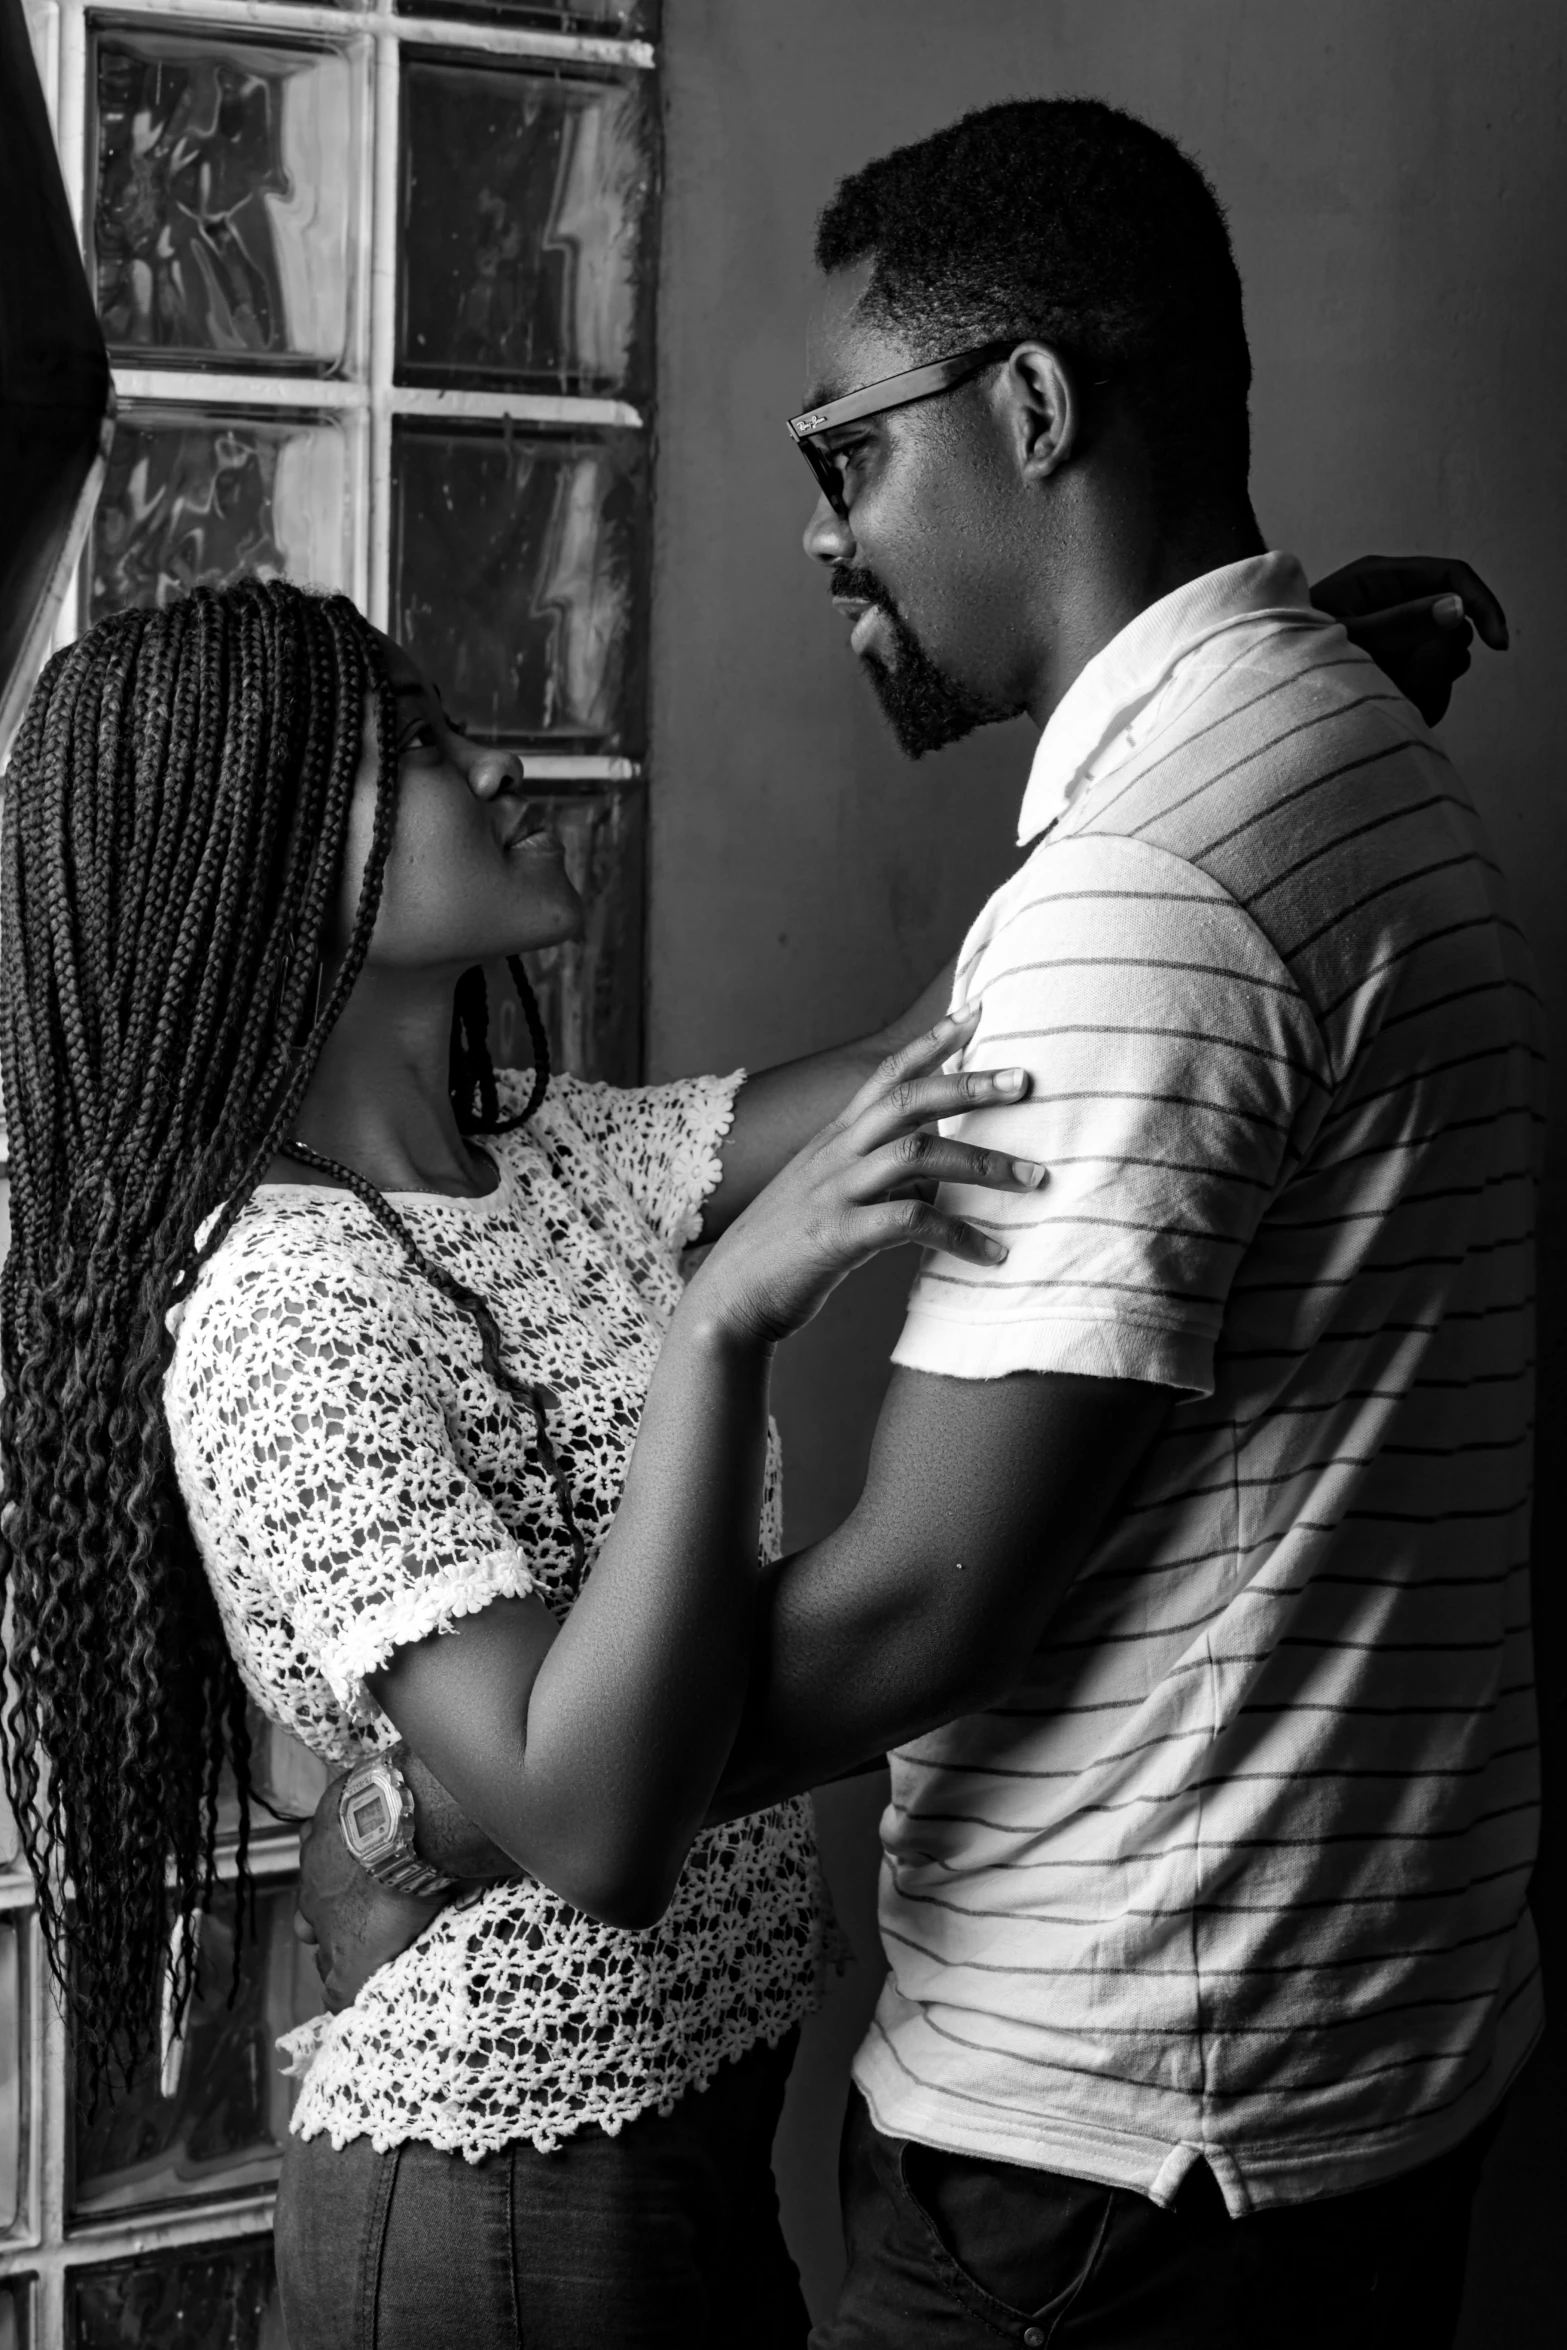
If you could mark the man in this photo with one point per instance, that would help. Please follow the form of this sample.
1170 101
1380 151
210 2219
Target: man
1187 1585
1206 1513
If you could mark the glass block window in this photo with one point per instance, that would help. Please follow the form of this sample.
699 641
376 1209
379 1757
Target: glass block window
542 650
376 278
524 210
191 499
595 16
220 2296
15 2301
377 282
219 214
212 2117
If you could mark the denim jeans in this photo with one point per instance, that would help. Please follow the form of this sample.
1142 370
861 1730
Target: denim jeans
666 2235
948 2250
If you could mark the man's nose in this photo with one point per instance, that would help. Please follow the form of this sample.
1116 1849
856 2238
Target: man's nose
828 538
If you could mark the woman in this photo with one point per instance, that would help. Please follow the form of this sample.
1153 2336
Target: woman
309 1314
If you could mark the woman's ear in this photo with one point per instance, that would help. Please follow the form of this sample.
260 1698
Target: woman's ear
1044 406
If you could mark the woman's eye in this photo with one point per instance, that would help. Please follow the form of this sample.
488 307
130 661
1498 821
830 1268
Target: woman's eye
422 737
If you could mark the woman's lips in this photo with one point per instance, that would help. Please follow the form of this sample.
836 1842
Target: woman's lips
536 839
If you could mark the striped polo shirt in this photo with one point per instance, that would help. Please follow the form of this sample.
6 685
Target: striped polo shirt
1236 1873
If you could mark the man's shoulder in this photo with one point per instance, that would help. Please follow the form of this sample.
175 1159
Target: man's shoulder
1263 754
1307 788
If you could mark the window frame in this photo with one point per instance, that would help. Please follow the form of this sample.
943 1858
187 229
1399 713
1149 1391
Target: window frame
366 396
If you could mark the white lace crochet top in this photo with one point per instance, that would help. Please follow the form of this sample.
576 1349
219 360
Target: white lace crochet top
355 1480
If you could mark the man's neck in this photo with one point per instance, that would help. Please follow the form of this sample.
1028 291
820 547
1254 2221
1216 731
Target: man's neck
1121 575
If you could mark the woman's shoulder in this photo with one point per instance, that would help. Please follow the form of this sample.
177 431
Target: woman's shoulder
655 1145
304 1265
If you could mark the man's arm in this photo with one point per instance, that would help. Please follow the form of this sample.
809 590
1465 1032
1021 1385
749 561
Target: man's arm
982 1500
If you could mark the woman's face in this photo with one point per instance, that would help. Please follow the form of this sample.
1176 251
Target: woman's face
471 873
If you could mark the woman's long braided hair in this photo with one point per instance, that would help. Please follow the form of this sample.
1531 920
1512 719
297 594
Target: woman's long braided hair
175 821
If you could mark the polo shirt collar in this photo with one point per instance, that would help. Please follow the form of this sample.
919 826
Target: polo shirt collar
1127 672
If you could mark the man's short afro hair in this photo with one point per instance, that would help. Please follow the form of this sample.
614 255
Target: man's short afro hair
1065 221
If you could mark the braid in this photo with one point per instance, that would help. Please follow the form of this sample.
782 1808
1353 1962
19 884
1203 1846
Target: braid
538 1037
469 1302
473 1091
173 834
473 1088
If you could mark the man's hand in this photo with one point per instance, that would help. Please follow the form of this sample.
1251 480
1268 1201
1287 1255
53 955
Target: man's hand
1417 616
355 1924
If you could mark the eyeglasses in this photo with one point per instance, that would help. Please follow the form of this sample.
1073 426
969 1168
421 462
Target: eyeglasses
893 391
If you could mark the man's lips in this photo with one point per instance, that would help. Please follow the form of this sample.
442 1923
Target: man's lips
861 615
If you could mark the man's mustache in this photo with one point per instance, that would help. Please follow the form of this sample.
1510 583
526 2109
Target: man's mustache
858 586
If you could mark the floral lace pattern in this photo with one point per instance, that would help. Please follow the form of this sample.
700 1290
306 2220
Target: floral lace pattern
356 1481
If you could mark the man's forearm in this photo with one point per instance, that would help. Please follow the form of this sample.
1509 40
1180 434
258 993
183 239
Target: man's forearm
982 1501
444 1836
833 1688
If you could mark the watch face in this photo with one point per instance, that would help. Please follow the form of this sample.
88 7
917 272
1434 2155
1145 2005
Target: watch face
369 1817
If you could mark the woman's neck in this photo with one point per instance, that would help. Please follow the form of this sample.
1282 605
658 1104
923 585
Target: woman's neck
378 1099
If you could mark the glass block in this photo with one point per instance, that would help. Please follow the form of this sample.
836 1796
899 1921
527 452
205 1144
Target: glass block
221 2125
199 2297
223 174
16 2294
518 578
13 2045
193 499
616 20
525 197
10 1840
590 991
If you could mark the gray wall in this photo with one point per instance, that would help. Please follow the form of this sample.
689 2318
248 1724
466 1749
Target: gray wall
1391 170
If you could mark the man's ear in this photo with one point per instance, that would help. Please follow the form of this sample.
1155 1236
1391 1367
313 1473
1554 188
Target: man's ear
1044 409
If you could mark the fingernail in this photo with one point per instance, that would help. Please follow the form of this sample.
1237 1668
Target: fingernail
1028 1171
1010 1079
995 1252
962 1012
1448 609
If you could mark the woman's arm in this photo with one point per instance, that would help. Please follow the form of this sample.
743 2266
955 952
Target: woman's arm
588 1754
1416 616
778 1110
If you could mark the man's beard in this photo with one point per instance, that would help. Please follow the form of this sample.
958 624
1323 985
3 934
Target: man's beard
924 707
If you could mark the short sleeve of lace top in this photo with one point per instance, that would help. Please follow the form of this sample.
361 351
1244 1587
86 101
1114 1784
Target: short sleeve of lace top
660 1141
326 1447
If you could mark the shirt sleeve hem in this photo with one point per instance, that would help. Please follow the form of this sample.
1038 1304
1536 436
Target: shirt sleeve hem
699 1168
1093 1349
413 1612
